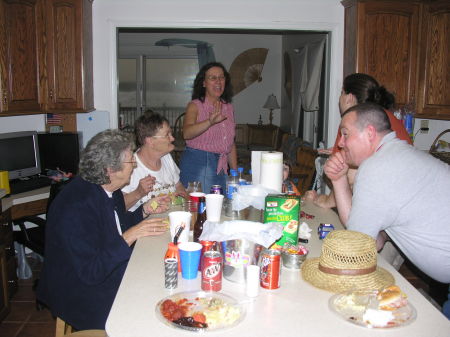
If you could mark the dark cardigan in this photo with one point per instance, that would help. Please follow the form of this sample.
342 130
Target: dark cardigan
85 256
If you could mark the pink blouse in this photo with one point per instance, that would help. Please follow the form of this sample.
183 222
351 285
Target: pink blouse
219 138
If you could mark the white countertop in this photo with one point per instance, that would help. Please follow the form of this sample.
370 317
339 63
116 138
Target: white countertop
295 309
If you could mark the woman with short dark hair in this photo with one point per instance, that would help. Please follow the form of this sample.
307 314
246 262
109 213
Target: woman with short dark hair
89 234
209 129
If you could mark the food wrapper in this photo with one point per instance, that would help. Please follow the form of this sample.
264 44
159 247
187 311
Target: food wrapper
250 195
304 232
257 232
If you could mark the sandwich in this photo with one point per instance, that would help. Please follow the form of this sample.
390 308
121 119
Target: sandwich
289 204
391 298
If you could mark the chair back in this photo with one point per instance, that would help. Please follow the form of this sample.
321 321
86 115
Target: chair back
305 167
64 329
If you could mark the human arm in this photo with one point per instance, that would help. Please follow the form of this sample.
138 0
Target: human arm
192 128
232 157
144 187
147 227
336 170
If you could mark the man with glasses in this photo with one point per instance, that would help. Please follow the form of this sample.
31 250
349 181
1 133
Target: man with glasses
155 170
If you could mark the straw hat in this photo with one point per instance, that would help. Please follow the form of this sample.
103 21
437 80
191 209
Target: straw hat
348 261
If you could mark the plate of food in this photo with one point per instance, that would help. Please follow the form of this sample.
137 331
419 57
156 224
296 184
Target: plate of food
382 309
200 311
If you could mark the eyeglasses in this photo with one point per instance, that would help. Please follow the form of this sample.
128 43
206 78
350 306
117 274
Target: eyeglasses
134 163
166 136
214 78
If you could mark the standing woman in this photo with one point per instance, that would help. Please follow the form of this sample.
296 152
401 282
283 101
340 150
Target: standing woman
209 129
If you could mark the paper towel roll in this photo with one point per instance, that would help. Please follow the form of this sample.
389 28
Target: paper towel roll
271 175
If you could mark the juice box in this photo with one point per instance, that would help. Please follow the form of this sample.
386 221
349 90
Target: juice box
284 209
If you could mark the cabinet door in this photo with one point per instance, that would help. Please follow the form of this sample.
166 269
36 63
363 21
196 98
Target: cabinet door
384 44
434 71
69 31
4 297
19 63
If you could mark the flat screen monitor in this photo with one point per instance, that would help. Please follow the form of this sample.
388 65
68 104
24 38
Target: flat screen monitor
19 154
60 151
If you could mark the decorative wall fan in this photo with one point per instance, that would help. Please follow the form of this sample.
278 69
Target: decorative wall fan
246 68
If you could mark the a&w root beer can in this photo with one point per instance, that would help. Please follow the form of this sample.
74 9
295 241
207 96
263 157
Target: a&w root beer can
212 271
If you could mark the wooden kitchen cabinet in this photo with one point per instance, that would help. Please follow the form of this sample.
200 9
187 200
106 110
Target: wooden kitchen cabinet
381 39
19 60
46 56
69 32
403 44
434 68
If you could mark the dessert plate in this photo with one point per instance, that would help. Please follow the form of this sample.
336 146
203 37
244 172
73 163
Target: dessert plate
352 305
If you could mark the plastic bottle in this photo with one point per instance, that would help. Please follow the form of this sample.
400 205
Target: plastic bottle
232 183
241 178
201 218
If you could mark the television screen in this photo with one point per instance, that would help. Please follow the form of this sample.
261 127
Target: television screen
19 154
59 151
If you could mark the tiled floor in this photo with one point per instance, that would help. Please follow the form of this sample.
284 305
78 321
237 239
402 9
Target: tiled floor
24 320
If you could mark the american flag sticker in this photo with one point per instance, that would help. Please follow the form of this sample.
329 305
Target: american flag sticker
54 119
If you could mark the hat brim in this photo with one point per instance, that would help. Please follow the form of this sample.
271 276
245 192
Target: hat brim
378 279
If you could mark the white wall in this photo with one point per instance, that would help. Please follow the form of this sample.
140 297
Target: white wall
248 103
108 15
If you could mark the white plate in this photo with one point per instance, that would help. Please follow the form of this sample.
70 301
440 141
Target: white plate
222 311
351 307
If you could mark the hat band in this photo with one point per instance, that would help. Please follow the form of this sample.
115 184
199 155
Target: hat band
350 272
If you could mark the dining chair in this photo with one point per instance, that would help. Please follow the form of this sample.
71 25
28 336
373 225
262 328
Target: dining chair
179 142
64 329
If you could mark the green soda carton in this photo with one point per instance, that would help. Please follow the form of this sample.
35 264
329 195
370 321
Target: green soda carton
284 209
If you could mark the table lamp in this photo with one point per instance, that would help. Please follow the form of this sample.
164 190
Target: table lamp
271 104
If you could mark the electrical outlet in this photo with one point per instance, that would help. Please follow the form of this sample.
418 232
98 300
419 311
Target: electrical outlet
424 126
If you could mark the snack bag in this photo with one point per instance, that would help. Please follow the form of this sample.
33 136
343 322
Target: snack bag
284 209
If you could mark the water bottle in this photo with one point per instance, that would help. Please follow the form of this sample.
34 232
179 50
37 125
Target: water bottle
232 185
241 178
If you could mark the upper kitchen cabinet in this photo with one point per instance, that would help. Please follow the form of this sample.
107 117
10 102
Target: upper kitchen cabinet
433 97
404 45
69 55
381 39
19 59
46 56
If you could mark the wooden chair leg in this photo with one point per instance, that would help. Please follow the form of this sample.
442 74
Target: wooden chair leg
62 328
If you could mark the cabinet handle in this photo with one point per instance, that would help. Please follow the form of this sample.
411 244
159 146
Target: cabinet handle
8 248
11 281
51 94
5 98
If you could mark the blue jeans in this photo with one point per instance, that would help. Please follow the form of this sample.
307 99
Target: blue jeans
198 165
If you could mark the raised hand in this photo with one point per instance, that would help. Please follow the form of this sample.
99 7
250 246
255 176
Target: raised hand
336 167
216 115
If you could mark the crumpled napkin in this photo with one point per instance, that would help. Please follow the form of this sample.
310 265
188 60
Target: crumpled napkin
304 232
263 234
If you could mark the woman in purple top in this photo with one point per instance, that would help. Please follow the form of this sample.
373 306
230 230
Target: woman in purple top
209 129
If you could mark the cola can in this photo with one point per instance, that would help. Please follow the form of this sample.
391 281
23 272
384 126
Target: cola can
270 269
216 189
212 271
206 246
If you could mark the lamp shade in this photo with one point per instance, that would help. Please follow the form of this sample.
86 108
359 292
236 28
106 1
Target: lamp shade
271 102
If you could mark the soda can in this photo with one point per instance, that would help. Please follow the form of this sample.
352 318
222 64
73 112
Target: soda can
212 271
270 269
216 189
324 229
206 246
171 273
